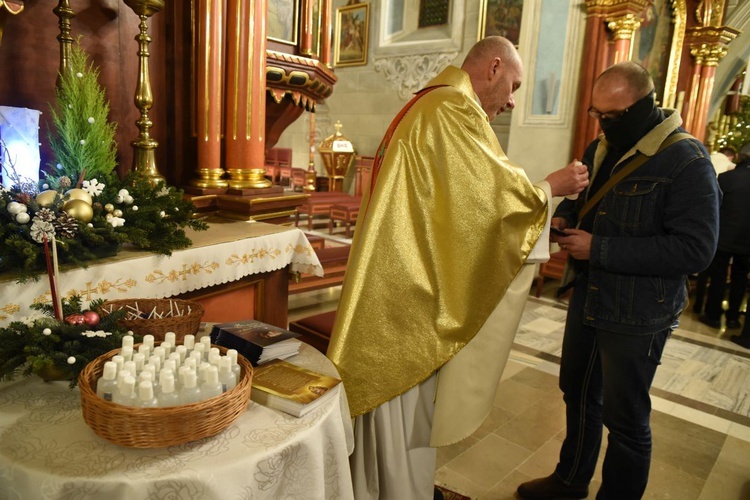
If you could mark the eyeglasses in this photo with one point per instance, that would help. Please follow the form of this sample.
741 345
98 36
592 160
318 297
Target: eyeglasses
615 116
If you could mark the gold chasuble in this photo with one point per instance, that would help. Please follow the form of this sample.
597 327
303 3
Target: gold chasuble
448 224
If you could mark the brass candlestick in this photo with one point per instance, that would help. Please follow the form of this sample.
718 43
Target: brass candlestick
144 160
65 14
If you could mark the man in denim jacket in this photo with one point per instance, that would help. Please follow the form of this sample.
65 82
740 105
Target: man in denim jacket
630 257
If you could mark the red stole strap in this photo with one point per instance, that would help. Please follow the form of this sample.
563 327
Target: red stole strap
380 154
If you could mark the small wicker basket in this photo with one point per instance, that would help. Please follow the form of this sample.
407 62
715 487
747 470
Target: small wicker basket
183 317
160 427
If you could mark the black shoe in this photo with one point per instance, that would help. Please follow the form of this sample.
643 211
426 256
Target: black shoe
713 323
549 488
741 341
733 323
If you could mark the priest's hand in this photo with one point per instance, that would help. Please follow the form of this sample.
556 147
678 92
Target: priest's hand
569 180
577 243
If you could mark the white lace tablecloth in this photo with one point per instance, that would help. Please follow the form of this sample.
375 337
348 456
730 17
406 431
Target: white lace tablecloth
47 451
226 252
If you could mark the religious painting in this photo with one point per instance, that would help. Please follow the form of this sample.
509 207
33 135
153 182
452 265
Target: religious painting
657 46
282 21
500 17
351 34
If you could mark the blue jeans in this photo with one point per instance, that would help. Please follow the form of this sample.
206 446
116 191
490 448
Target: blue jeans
605 378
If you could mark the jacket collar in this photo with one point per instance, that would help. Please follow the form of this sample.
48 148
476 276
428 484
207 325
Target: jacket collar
648 144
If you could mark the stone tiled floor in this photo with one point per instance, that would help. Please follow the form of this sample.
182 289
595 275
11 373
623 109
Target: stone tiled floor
700 422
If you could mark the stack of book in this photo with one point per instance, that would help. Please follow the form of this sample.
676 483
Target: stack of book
290 388
259 342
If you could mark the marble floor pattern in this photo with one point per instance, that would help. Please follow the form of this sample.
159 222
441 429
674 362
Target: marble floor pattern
700 421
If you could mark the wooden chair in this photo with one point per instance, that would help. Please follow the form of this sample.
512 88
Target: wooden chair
316 329
345 212
364 173
553 268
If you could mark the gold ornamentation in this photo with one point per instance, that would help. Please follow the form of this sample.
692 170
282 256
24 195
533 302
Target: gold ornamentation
249 258
624 27
13 7
64 14
79 209
158 276
210 178
248 178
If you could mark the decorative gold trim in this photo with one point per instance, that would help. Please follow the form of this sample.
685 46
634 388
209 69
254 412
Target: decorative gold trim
623 27
679 19
340 12
295 29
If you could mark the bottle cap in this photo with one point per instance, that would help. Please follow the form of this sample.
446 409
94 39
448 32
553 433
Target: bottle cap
212 375
145 391
128 385
189 341
110 370
190 380
148 340
127 341
167 383
170 337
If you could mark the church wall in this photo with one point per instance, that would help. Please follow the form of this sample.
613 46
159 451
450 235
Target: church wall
365 101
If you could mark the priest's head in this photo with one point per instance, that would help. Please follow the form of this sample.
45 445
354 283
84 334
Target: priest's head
496 71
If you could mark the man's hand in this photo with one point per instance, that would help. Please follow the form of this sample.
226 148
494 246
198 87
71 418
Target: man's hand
559 223
577 243
569 180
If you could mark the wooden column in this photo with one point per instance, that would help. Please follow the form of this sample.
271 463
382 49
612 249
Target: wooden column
210 63
325 36
246 94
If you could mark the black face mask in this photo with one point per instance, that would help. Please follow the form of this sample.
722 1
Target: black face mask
625 130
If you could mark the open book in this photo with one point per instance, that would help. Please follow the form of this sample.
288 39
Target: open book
291 388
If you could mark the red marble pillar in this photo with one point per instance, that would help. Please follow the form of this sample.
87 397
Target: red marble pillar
210 65
246 94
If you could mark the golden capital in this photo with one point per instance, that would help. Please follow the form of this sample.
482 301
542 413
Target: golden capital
616 8
708 44
624 26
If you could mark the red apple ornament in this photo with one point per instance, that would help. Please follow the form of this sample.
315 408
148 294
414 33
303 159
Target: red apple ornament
91 318
74 319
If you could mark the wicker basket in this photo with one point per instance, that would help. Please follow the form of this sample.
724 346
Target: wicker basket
183 317
160 427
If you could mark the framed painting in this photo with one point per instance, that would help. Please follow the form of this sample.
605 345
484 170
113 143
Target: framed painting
351 35
282 21
500 17
662 32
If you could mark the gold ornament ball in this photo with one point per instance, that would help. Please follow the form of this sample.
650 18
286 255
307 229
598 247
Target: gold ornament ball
79 209
45 199
78 194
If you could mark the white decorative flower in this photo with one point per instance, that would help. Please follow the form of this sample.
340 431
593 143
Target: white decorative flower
91 120
164 191
82 141
32 318
116 221
93 187
41 229
98 333
71 360
162 214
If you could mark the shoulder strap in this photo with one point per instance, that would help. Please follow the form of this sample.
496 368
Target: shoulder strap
628 169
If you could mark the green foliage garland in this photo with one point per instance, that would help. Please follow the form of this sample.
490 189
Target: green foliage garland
41 342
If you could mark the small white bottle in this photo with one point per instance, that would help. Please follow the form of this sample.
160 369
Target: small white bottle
170 337
146 397
182 351
226 375
127 340
189 342
232 353
156 361
203 372
211 387
125 394
174 357
127 351
159 351
168 347
168 395
140 359
149 341
198 351
145 350
130 367
206 343
190 392
119 361
106 386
